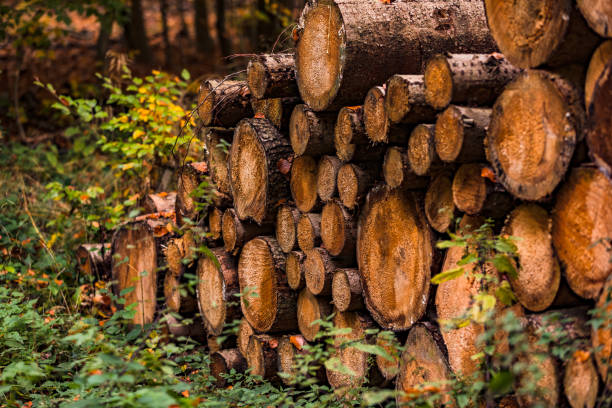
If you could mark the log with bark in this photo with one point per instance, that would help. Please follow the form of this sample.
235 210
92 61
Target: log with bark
338 231
187 205
534 32
276 110
267 301
286 227
319 268
347 293
397 171
597 64
304 184
272 76
405 101
217 290
224 103
309 231
354 182
177 294
600 122
296 275
535 124
439 205
421 151
262 356
216 157
327 175
474 193
395 256
311 133
350 137
310 309
376 120
94 260
470 79
460 133
236 233
257 171
376 40
223 362
581 229
160 202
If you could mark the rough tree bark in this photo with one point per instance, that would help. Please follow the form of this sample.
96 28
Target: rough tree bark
311 133
223 362
224 103
272 76
405 101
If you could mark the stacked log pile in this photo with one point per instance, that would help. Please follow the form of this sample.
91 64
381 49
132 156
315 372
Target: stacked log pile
349 158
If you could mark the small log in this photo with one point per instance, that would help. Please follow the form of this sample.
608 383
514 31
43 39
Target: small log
94 260
406 102
176 294
190 177
600 122
160 202
377 40
473 193
310 309
286 228
581 228
245 331
555 35
389 369
350 137
309 231
185 329
439 205
338 231
347 293
470 79
217 289
296 275
396 288
327 175
304 184
422 367
538 272
289 348
311 133
216 157
272 76
224 103
218 343
597 64
460 134
257 175
580 381
397 171
270 305
215 224
601 336
421 151
319 271
236 233
262 356
376 121
277 111
223 362
598 14
535 124
354 183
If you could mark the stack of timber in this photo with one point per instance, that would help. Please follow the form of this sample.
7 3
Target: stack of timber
333 170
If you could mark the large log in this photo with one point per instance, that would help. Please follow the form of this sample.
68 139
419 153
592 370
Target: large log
286 227
581 228
310 132
160 202
421 151
353 184
224 103
338 231
267 302
236 233
397 171
405 101
327 176
304 184
460 134
470 79
310 309
598 14
217 289
309 231
535 32
94 260
223 362
534 127
272 76
473 193
600 122
296 274
597 64
255 166
346 290
216 157
395 256
376 120
439 204
375 40
538 273
277 110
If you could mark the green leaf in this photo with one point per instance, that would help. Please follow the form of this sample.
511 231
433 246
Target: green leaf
503 264
185 75
447 275
467 259
501 382
450 244
504 294
505 245
334 364
373 349
376 397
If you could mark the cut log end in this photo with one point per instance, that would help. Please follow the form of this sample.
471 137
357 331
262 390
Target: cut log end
288 348
286 222
224 103
216 157
469 188
597 64
353 183
311 309
349 132
337 229
303 183
394 166
389 368
257 78
438 80
296 278
449 134
439 205
601 338
600 122
405 99
346 290
319 271
598 15
230 230
375 116
245 331
580 381
309 231
421 151
272 76
327 175
223 362
215 223
262 356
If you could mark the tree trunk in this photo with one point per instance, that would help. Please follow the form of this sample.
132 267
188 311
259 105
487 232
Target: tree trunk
204 42
600 122
272 76
534 127
378 40
319 271
535 32
460 134
581 228
136 33
270 305
538 273
262 356
216 141
224 42
224 103
327 175
286 228
338 231
311 133
468 79
217 289
597 64
350 137
406 102
353 184
223 362
310 309
421 151
396 288
94 260
309 231
277 110
304 184
236 233
473 193
580 381
346 290
255 166
376 120
245 331
397 171
159 203
296 275
439 204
